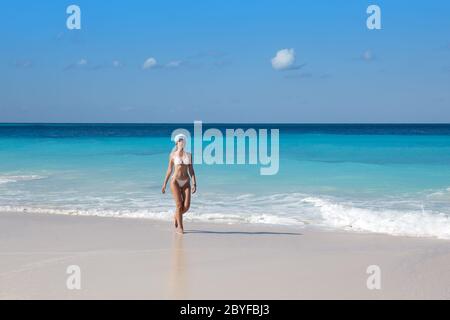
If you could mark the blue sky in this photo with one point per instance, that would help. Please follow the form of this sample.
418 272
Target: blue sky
213 61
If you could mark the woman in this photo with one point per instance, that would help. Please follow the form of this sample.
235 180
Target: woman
180 163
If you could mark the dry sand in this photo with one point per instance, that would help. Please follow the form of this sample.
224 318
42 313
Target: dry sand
144 259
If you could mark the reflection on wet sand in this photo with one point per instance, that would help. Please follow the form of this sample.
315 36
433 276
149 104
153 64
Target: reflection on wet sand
177 276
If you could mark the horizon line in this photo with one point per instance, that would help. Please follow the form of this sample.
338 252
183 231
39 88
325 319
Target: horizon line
232 122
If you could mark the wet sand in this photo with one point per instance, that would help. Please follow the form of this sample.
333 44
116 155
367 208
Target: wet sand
144 259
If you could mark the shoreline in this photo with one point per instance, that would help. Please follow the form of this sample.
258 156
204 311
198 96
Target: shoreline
219 222
144 259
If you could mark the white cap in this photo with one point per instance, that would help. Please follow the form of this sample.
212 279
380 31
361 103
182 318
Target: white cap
179 137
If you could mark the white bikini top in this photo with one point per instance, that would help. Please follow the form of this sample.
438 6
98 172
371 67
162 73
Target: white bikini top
185 159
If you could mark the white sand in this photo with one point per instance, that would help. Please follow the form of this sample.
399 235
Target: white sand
144 259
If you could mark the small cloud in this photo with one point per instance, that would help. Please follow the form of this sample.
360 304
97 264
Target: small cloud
117 64
174 64
84 64
367 56
149 63
78 64
284 59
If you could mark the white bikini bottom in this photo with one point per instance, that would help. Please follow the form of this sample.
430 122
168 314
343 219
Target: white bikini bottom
182 182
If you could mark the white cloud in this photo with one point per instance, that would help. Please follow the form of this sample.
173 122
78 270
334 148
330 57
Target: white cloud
174 64
82 62
149 63
284 59
367 55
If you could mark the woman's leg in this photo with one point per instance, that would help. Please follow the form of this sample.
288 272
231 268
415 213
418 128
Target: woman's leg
186 193
182 201
177 196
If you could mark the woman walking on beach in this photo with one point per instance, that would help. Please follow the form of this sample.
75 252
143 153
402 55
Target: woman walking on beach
180 164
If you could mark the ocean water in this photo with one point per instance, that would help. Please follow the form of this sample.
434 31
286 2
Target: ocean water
392 179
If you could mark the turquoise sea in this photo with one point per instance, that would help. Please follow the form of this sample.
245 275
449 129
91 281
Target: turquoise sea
385 178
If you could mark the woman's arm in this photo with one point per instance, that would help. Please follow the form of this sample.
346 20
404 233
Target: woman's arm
192 174
168 174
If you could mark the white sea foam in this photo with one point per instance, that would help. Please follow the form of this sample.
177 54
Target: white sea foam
17 178
396 216
395 222
162 215
442 194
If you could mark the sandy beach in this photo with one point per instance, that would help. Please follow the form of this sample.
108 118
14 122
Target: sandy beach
144 259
